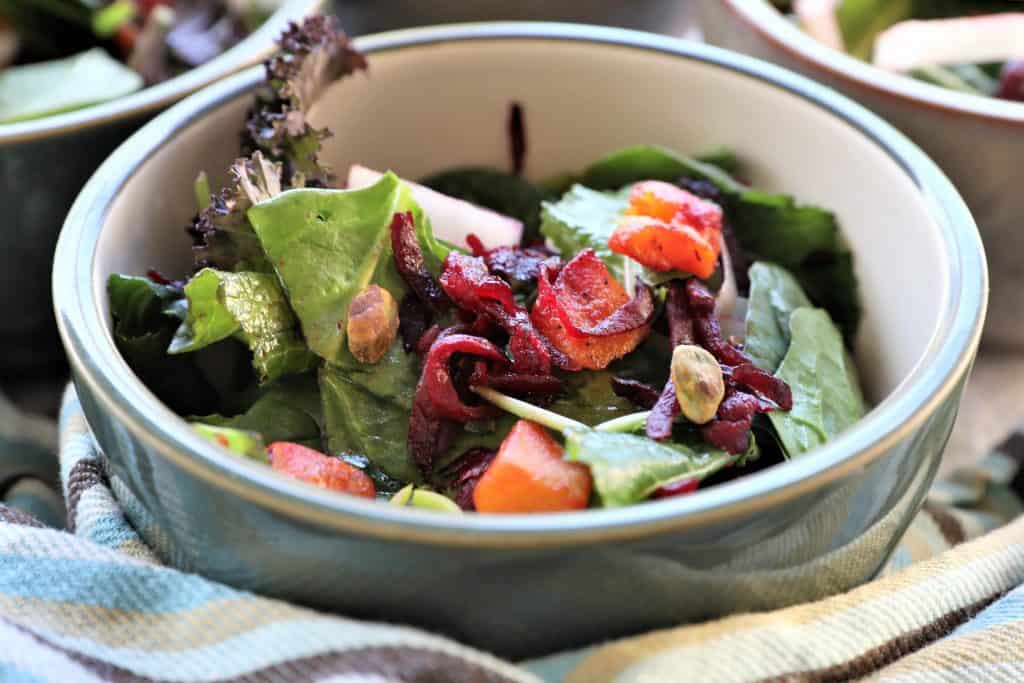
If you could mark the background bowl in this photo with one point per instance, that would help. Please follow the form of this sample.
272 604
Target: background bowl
43 165
662 16
978 141
524 585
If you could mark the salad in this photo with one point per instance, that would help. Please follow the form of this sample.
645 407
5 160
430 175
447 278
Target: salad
473 341
60 55
974 46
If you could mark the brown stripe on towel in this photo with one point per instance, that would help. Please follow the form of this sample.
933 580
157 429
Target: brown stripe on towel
949 526
888 652
397 663
85 474
11 515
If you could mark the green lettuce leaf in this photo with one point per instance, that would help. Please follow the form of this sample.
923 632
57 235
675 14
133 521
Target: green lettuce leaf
145 317
826 394
628 468
360 423
860 22
584 218
492 189
32 91
251 307
288 410
774 295
327 245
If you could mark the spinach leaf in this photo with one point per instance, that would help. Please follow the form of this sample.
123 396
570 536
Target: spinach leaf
487 434
251 307
288 410
327 245
144 325
359 423
826 393
628 468
392 378
585 218
138 304
774 295
495 190
589 399
652 162
724 158
244 443
31 91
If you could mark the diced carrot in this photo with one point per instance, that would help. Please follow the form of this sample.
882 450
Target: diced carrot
529 475
314 467
583 294
667 228
665 246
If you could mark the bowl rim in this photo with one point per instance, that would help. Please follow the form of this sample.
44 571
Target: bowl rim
773 27
252 49
106 378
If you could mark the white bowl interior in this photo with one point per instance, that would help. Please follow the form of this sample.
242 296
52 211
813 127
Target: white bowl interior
425 108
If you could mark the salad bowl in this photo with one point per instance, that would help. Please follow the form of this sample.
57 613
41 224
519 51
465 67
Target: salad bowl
978 141
525 585
44 163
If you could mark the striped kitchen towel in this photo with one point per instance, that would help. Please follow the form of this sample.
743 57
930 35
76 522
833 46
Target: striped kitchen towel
94 604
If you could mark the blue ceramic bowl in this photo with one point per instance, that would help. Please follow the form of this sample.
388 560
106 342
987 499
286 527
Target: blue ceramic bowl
43 165
525 585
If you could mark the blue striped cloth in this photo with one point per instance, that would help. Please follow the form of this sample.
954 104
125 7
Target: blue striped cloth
93 603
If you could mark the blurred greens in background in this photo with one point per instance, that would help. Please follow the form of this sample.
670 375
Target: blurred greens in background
662 16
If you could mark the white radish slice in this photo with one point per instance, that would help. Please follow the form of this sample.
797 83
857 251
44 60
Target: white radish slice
818 19
725 301
914 44
452 219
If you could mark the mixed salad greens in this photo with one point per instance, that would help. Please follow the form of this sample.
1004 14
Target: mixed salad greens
478 342
974 46
60 55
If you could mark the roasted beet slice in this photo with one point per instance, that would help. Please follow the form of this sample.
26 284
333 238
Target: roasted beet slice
677 312
414 319
410 263
429 436
690 310
515 264
465 472
436 385
763 384
526 386
663 414
639 393
469 283
437 407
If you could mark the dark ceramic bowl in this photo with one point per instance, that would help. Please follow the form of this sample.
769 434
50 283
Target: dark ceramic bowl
43 165
524 585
